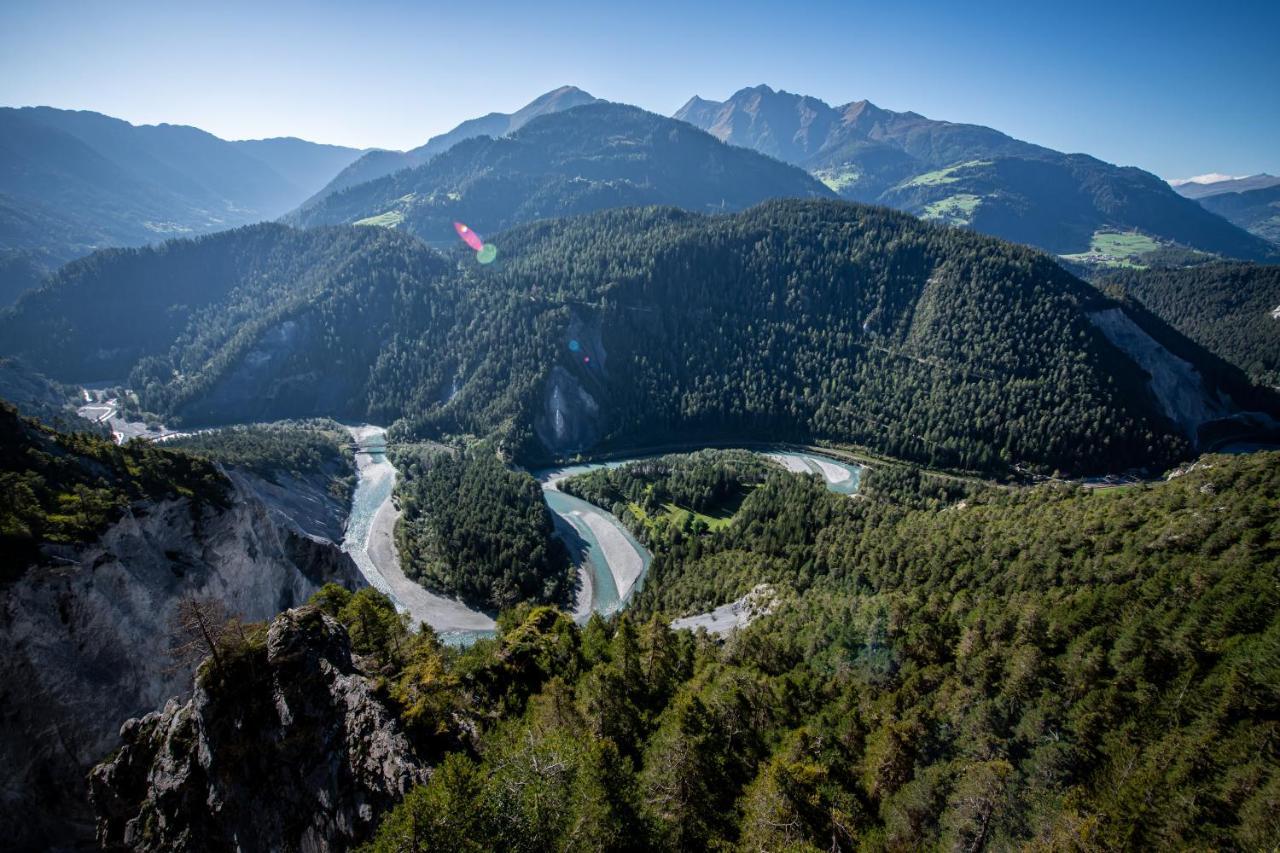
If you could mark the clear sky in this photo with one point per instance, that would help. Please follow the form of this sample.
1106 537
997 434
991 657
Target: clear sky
1176 88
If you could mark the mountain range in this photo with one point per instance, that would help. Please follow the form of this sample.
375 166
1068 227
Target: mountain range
74 181
1255 210
1205 186
964 174
376 164
595 156
799 320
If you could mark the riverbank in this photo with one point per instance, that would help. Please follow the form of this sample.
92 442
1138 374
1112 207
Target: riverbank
370 540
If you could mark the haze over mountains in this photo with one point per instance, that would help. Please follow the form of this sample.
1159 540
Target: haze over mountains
1216 184
964 174
71 182
74 181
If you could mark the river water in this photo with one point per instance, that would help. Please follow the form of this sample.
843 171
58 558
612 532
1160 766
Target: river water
611 562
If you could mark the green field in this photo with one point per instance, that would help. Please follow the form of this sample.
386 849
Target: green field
678 516
1116 249
838 179
390 219
953 210
942 176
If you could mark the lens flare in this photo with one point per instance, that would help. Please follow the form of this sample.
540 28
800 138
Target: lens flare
574 346
468 236
487 254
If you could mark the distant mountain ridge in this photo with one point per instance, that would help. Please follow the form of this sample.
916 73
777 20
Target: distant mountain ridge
1255 210
964 174
1205 186
73 181
377 164
599 155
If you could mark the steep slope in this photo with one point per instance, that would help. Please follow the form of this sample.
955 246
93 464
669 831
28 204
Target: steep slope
941 665
965 174
72 181
590 157
806 131
19 272
36 396
1211 185
377 164
98 317
297 749
1232 310
101 544
1255 210
795 320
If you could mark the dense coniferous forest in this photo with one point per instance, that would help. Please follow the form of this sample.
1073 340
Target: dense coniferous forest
1229 309
105 315
690 493
473 528
792 321
66 487
1050 667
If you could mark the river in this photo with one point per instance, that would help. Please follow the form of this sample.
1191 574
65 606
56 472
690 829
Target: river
611 562
370 540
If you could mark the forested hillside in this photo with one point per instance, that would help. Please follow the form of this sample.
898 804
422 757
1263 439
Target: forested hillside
1047 668
587 158
1257 211
102 316
475 529
792 321
670 496
280 451
1229 309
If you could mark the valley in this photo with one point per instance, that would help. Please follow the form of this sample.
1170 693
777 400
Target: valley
610 562
889 464
370 540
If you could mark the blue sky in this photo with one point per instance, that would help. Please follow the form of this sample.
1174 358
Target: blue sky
1176 88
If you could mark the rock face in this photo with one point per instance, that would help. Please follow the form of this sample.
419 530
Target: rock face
87 636
303 504
1176 384
570 418
290 748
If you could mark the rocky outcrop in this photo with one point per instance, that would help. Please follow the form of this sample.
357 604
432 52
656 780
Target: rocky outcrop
1176 385
290 748
570 418
304 503
87 636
